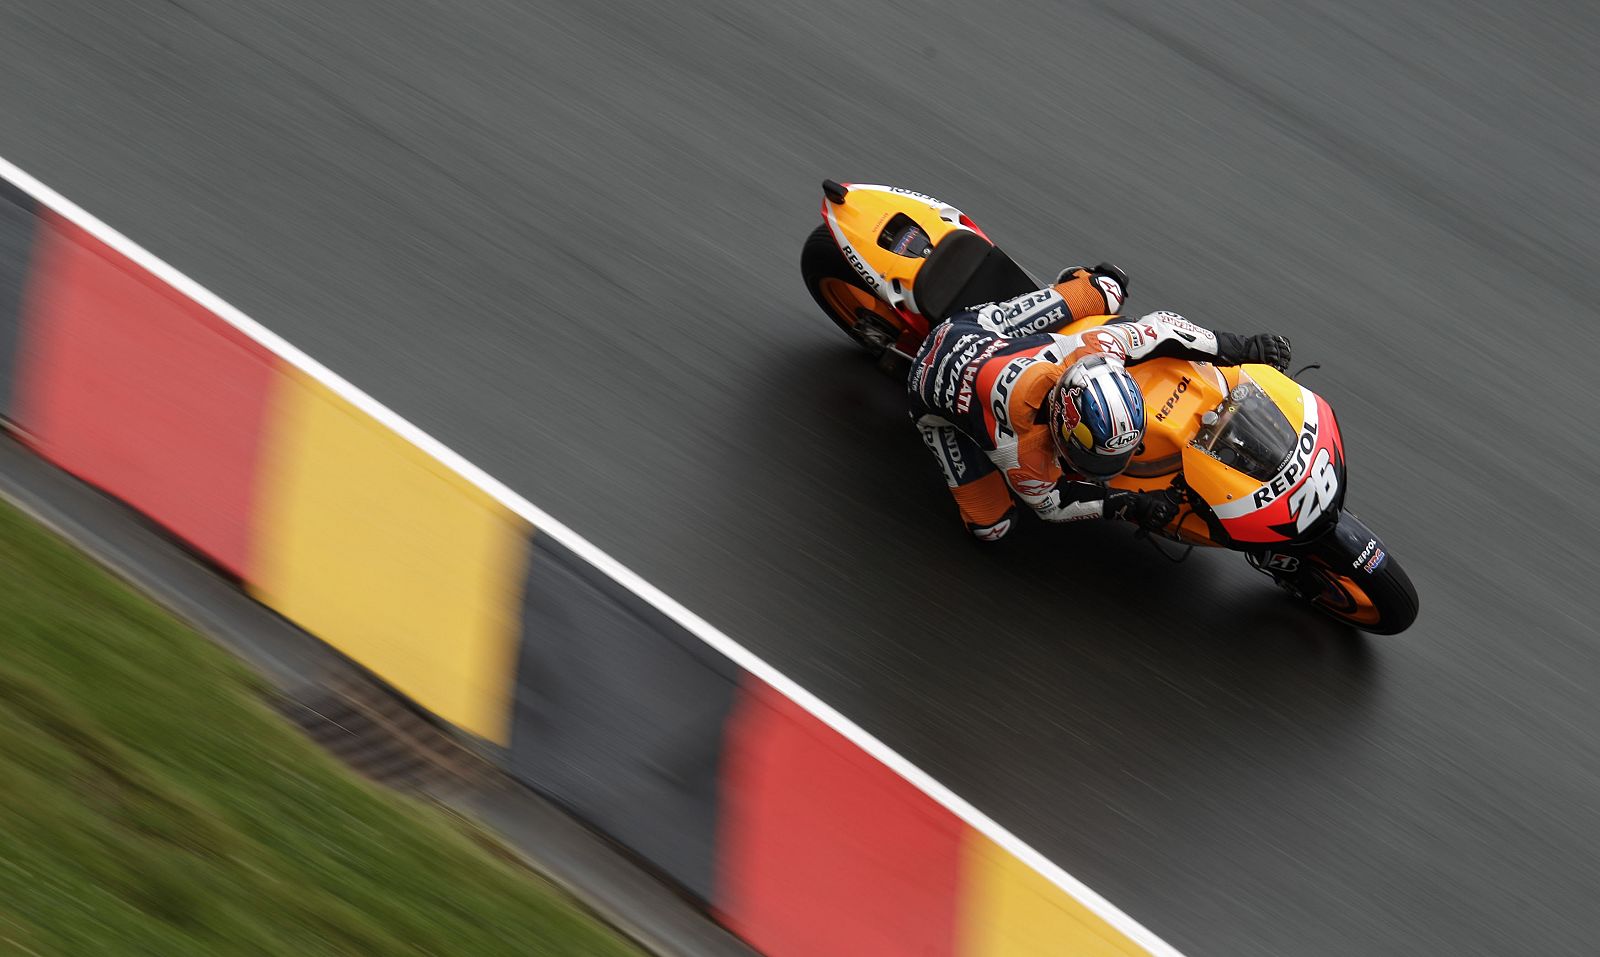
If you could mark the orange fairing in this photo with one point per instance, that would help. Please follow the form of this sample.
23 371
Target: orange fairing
1303 488
871 228
1176 394
1282 504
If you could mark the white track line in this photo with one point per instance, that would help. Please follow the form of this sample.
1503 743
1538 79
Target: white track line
544 523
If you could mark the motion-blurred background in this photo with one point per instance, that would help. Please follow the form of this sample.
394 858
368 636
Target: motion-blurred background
563 237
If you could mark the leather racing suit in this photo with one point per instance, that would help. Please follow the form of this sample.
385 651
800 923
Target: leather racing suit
980 380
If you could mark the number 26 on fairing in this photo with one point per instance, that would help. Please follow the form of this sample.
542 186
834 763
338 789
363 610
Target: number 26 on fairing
1318 492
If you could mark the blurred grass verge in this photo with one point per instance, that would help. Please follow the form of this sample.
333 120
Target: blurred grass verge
151 804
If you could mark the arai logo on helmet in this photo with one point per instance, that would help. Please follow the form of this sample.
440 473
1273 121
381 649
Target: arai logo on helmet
1119 442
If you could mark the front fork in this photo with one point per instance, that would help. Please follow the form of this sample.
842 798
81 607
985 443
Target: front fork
1348 549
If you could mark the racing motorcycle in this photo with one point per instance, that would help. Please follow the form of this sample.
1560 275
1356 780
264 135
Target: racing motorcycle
1254 460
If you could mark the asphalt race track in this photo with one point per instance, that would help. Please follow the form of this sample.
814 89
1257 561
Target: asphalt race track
563 237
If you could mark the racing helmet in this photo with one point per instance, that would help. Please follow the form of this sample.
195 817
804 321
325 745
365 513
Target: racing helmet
1096 416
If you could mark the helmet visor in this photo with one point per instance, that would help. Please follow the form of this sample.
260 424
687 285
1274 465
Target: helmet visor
1096 466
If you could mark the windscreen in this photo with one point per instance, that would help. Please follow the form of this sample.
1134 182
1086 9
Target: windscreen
1249 432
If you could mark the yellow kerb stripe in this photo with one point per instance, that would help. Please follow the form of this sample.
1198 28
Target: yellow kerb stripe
1007 909
390 557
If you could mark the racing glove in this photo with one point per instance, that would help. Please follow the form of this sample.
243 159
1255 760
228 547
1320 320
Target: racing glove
997 531
1111 281
1148 510
1267 349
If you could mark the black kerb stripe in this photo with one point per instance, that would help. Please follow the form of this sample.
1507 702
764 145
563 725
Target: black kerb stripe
19 224
619 715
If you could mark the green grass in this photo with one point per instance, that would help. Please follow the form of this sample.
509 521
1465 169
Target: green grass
150 804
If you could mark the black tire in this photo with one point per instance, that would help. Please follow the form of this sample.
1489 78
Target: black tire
1332 577
873 327
1392 597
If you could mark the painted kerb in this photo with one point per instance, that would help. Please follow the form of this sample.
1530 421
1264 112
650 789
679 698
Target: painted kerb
765 758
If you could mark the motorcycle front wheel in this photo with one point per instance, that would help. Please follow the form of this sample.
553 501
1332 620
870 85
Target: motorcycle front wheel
1350 576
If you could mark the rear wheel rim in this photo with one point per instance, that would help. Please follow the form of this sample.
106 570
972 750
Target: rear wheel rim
844 299
860 313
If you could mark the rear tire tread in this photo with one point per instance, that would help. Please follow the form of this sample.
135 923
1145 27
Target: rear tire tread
820 259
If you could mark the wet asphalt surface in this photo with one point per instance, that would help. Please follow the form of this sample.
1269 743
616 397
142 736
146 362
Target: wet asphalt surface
563 237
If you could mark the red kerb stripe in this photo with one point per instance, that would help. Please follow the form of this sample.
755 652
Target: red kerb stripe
137 389
821 849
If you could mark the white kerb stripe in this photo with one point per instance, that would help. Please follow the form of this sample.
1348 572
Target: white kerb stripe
561 533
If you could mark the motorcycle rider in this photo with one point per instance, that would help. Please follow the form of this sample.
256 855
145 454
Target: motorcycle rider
1009 407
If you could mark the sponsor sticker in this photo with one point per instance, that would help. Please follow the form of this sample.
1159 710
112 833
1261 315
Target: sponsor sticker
944 373
1317 494
916 195
862 269
1067 402
1280 562
929 353
1034 487
1111 290
1188 330
1005 316
994 532
1057 314
1122 441
969 375
1292 469
1105 341
1000 407
1172 400
952 449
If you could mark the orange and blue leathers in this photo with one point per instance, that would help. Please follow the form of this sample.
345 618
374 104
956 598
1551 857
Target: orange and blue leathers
979 385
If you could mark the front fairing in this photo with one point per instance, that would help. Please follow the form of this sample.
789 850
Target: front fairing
1266 481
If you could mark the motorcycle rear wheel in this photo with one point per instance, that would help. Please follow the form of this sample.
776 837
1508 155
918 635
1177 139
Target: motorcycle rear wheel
844 296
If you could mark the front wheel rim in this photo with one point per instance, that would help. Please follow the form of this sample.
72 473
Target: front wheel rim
1342 597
